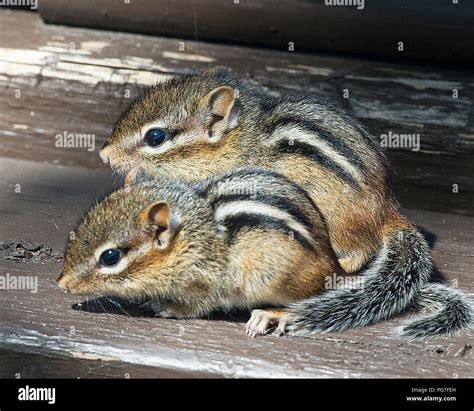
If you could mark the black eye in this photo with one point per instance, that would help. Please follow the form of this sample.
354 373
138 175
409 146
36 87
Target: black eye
110 257
155 136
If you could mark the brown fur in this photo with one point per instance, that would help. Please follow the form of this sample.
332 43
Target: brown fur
356 217
191 270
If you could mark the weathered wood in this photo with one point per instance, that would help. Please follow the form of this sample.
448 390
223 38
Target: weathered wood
44 189
83 75
20 364
370 28
52 323
81 90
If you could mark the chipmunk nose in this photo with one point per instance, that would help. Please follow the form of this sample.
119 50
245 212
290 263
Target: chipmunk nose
103 155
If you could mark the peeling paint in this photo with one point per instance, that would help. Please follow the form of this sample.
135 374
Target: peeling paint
187 57
313 70
32 63
416 83
7 133
67 49
94 46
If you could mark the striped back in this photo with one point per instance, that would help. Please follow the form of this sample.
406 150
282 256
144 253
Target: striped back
257 198
328 139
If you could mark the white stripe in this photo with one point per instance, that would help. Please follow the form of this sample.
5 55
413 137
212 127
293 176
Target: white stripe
256 207
312 139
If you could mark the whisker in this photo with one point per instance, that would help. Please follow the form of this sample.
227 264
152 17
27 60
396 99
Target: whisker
105 311
118 305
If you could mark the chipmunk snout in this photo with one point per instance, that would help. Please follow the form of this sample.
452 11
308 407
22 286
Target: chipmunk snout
104 156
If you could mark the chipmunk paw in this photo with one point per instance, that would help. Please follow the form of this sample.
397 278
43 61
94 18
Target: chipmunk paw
263 321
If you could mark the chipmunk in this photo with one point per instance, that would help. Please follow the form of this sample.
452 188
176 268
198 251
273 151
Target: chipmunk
194 126
244 239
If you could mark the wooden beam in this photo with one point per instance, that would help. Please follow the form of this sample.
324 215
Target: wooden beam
56 80
430 31
52 323
98 73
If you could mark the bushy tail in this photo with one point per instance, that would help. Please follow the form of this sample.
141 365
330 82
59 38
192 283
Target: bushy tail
402 267
454 313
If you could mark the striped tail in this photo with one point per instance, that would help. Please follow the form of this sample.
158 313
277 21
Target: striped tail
454 313
402 267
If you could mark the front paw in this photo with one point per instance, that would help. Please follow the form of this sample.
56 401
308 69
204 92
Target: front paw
263 321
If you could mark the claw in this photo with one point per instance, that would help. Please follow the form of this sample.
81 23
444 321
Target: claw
261 322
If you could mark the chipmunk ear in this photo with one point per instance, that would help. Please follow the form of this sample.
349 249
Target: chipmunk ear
222 114
167 222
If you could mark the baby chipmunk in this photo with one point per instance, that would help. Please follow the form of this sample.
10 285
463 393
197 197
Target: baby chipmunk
249 238
195 126
245 239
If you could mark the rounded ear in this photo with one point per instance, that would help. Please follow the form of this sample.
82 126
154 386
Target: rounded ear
219 104
220 100
167 223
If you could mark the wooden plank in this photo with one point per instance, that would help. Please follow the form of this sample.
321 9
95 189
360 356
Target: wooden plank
44 189
96 69
18 364
82 90
56 324
367 27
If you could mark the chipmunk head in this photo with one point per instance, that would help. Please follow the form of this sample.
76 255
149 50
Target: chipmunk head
177 126
134 243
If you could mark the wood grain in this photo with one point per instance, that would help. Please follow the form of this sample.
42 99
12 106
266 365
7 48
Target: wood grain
51 323
74 80
376 28
83 75
31 364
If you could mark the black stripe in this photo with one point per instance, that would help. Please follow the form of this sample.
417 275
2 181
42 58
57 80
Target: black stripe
307 150
236 222
271 200
336 143
258 172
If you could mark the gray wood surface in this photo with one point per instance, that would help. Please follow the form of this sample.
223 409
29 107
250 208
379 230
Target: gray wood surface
81 76
75 81
373 27
51 199
44 189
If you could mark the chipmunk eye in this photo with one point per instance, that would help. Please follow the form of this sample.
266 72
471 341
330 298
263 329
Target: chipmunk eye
110 257
155 136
